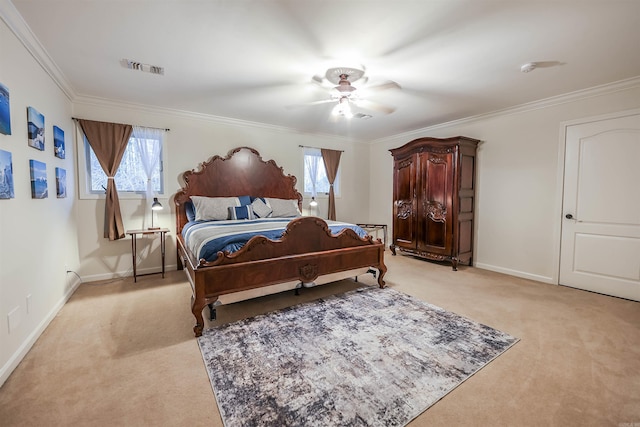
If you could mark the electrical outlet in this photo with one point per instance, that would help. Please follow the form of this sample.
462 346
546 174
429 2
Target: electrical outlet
14 318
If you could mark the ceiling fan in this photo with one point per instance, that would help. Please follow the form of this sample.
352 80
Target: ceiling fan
338 81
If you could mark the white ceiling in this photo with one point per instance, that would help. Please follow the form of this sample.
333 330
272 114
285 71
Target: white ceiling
254 59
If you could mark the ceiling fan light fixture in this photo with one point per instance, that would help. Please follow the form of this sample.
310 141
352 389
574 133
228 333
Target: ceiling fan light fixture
343 108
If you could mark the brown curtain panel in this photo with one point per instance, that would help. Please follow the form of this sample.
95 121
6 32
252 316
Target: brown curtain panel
331 159
109 140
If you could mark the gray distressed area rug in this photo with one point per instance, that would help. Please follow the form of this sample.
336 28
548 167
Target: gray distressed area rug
368 357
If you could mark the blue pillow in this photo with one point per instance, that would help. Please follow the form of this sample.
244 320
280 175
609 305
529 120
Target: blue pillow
190 210
245 200
241 212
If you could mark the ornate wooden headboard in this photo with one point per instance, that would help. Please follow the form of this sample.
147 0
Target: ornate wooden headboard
241 173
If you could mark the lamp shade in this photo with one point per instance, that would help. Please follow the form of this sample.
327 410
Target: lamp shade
156 205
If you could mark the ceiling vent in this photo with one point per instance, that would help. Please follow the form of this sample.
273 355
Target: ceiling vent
134 65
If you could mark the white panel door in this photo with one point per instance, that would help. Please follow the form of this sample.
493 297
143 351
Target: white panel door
600 247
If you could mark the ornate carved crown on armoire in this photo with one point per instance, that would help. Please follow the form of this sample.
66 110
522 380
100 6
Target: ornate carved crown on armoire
434 197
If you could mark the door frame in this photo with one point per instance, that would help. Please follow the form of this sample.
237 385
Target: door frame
557 224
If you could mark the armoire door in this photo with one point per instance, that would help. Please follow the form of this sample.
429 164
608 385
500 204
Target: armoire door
435 213
404 215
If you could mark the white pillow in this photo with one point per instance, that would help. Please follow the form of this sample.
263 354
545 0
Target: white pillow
283 208
213 208
260 208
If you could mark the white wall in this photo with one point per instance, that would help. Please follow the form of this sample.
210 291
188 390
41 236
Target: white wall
519 181
193 139
38 236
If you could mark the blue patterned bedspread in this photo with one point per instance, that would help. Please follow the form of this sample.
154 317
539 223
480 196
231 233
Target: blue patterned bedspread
206 238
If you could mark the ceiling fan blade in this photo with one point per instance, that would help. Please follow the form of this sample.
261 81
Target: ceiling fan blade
382 86
322 101
370 105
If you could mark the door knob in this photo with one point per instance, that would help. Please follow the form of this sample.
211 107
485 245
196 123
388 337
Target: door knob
568 216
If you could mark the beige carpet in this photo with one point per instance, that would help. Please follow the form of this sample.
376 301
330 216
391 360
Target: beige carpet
123 353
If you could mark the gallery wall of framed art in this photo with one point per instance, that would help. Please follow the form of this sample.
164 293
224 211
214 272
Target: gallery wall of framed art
36 138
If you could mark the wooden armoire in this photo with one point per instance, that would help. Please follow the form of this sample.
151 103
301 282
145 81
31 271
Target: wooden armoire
434 197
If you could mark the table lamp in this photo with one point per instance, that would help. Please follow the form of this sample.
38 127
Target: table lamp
155 206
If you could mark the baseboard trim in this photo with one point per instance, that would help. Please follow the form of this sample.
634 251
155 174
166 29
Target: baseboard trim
129 273
16 358
516 273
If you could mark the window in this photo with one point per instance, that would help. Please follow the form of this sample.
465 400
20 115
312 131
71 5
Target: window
131 178
314 166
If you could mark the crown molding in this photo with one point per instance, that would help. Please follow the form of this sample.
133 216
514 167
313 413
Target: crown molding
10 15
600 90
208 118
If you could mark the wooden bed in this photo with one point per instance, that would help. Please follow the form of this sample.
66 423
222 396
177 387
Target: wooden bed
306 251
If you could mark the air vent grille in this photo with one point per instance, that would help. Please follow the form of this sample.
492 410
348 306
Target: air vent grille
147 68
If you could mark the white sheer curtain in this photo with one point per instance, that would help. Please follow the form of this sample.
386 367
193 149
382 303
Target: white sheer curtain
149 144
312 159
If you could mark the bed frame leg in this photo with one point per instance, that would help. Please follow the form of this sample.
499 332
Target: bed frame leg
382 269
196 309
212 312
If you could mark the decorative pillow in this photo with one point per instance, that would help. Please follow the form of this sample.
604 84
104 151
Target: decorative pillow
244 200
260 208
283 208
190 210
213 208
241 212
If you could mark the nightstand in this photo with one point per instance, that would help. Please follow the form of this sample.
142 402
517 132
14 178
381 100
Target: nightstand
376 228
134 233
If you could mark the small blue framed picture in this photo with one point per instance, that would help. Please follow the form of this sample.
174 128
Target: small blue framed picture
58 142
5 110
6 175
61 183
38 171
35 127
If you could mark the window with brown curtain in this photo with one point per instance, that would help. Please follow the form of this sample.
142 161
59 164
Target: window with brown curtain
109 141
331 160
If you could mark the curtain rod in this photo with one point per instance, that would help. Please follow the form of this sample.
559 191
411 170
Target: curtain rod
306 146
166 130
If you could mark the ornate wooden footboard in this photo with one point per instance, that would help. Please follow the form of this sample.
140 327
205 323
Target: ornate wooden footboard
306 250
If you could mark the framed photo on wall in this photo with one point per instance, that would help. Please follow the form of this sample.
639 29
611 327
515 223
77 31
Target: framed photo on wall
5 110
6 175
61 183
35 128
58 142
38 172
